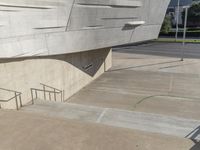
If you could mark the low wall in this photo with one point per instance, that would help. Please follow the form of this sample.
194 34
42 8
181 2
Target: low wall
69 73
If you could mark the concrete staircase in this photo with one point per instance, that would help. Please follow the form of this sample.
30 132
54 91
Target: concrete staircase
155 123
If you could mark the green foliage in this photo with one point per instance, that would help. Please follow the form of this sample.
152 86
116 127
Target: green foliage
178 41
194 14
167 25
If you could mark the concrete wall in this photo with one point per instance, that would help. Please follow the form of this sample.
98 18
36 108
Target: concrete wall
57 36
52 27
69 72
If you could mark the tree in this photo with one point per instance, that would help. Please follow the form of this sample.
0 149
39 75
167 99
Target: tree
167 25
194 14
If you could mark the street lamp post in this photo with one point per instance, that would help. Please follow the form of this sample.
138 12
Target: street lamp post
185 28
177 19
185 23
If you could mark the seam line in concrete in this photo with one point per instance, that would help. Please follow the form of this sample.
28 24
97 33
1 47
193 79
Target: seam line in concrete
102 115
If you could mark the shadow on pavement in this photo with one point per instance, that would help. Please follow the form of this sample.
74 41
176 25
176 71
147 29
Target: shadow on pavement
146 65
195 137
196 146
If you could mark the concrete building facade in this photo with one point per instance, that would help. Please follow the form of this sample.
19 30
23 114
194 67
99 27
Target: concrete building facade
65 44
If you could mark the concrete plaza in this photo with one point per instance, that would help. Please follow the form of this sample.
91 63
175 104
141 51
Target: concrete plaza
149 100
149 78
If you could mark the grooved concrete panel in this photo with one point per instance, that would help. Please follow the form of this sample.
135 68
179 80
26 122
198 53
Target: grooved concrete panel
70 72
48 27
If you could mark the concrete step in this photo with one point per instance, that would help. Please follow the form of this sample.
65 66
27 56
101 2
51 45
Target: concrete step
180 127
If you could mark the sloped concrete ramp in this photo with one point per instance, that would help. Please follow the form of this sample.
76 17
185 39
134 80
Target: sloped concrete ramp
154 123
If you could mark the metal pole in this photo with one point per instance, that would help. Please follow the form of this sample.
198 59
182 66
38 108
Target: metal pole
20 99
54 94
16 101
184 34
36 96
50 96
177 19
32 96
44 92
185 25
63 95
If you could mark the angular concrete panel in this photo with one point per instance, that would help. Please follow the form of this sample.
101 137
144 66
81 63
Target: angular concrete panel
49 27
68 40
68 73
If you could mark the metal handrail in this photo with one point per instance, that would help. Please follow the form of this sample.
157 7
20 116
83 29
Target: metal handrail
47 91
55 91
17 94
50 87
9 90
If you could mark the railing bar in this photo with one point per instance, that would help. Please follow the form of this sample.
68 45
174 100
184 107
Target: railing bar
9 90
49 96
51 87
61 97
36 96
20 99
44 92
17 94
8 99
17 107
55 94
32 96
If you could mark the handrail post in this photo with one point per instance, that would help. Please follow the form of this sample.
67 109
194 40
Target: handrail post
20 100
36 96
44 92
61 96
55 94
49 96
17 107
16 97
32 96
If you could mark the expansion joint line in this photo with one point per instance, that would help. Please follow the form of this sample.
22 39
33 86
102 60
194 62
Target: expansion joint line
70 13
131 35
102 115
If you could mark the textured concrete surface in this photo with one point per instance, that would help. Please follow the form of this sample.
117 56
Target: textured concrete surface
151 96
22 131
51 27
154 123
149 78
153 93
69 73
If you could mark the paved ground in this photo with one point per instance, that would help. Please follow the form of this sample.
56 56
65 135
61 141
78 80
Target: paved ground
149 93
26 131
149 78
154 123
